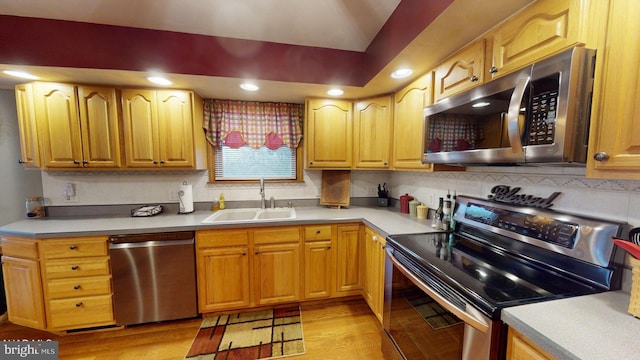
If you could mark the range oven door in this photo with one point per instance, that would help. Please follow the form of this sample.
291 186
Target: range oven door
421 322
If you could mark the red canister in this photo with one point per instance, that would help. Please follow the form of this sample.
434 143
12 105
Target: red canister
404 203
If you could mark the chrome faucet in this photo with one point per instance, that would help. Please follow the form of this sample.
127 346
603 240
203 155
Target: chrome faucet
262 203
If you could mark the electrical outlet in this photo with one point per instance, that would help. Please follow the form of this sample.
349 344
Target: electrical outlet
70 193
431 200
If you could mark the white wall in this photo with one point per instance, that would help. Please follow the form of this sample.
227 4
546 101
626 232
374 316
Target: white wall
608 199
15 182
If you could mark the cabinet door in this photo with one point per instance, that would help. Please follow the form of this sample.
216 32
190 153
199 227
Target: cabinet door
58 125
521 348
372 126
544 28
99 126
373 290
408 122
175 128
223 278
23 287
318 269
615 120
140 128
349 262
277 273
29 148
461 71
329 134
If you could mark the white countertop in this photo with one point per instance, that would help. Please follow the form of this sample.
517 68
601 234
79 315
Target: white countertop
591 327
386 220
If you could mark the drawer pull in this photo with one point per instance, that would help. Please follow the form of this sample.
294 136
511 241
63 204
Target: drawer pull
73 247
76 287
75 267
79 303
317 232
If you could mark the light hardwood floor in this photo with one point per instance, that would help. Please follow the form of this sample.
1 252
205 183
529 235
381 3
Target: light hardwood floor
334 330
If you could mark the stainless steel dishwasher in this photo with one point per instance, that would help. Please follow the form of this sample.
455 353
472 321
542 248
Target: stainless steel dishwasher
154 277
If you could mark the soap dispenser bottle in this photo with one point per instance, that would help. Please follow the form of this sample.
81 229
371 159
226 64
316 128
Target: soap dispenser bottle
221 201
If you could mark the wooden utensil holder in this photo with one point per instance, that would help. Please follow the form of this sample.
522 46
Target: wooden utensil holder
634 300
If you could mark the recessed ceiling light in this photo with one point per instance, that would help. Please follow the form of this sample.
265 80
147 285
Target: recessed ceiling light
159 80
21 74
401 73
480 104
249 87
335 92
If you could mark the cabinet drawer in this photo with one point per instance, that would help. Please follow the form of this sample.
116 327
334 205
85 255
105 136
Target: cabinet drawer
81 312
20 248
57 269
74 247
215 238
82 286
276 235
312 233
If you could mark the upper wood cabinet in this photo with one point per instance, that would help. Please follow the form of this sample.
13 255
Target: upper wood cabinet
161 129
77 126
372 129
544 28
29 147
329 129
614 144
461 71
408 106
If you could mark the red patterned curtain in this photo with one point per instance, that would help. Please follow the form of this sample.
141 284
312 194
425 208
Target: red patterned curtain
253 123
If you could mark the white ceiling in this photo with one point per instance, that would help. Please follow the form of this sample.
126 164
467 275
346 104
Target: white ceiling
337 24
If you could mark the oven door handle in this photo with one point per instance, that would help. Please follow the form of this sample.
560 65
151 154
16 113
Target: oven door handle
470 315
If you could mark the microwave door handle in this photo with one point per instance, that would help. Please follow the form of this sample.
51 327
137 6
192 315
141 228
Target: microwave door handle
513 127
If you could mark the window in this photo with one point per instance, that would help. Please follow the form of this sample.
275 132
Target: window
245 163
251 140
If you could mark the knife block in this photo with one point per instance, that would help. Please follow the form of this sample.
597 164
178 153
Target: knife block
634 300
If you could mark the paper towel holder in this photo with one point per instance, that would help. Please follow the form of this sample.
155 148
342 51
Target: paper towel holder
182 207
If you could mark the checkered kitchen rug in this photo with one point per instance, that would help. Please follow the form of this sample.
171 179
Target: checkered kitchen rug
246 336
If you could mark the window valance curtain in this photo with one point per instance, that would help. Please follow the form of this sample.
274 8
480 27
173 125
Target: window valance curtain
253 123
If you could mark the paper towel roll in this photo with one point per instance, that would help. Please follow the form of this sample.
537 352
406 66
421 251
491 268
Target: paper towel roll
185 199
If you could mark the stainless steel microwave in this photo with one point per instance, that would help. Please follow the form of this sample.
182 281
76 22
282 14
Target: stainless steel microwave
537 115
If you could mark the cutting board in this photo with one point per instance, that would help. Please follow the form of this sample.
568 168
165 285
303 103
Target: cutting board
336 188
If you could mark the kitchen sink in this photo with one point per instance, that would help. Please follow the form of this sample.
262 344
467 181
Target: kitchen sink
250 215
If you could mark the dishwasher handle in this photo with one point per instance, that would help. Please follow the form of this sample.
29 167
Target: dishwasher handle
148 244
135 238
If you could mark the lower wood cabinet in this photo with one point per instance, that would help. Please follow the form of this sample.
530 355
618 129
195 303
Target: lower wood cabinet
223 278
276 269
349 264
373 290
58 284
521 348
319 261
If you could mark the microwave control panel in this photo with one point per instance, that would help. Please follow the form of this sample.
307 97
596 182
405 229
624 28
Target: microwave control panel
543 118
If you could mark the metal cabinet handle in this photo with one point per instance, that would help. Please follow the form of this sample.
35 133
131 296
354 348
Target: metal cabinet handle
329 247
76 162
155 162
79 303
85 162
474 78
493 70
161 161
20 161
601 156
317 232
76 287
310 162
75 267
73 247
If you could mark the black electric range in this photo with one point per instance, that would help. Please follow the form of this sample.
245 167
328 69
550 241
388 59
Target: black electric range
502 255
